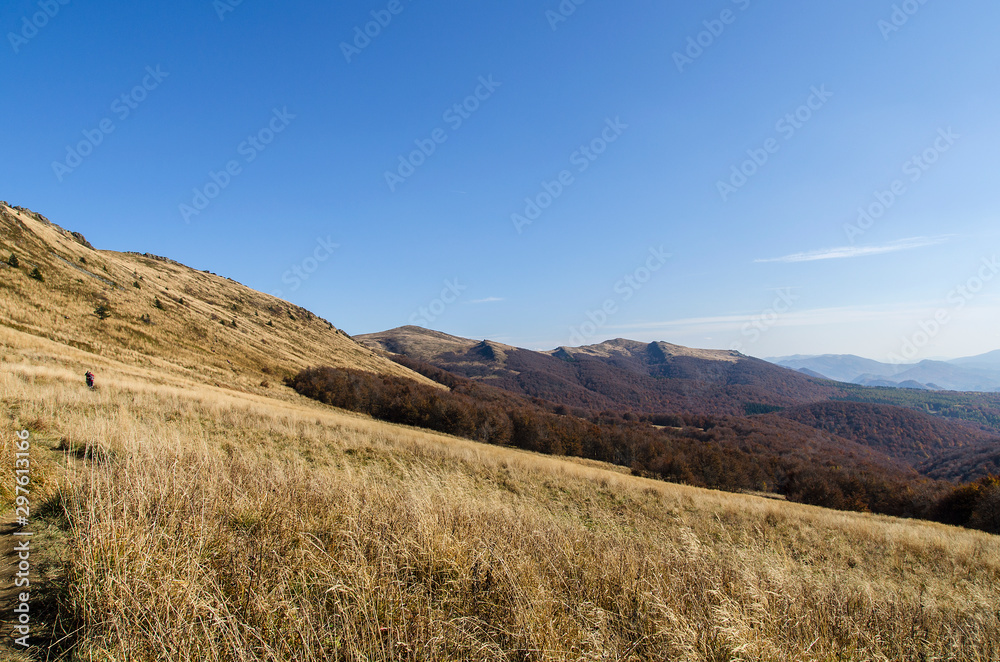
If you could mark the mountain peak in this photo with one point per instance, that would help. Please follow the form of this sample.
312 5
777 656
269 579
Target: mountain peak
659 350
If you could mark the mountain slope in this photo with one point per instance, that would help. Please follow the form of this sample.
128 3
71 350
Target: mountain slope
161 312
193 521
747 379
218 523
670 384
839 367
617 374
982 361
909 435
951 377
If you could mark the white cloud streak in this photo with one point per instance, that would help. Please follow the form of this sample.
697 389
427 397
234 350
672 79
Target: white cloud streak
842 252
814 317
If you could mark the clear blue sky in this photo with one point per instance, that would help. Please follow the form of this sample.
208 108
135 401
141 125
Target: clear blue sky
267 89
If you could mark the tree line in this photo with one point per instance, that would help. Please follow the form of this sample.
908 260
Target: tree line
736 454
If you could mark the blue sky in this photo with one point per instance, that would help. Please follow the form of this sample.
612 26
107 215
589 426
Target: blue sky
587 185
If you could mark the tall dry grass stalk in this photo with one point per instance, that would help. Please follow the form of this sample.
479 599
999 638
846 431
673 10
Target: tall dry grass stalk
211 525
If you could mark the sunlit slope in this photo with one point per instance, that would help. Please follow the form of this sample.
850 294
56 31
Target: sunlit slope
161 313
208 517
617 374
213 524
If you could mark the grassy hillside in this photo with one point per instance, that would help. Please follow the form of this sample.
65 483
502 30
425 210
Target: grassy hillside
202 523
183 511
750 454
205 326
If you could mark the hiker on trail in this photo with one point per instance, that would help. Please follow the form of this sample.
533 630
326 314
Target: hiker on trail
90 379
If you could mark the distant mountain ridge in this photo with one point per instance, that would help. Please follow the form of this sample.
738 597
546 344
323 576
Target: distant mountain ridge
973 373
145 310
616 374
675 385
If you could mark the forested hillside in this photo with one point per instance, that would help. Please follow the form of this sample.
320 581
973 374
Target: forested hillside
766 453
905 434
939 434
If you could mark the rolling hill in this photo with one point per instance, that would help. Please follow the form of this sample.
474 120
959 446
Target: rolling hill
661 380
839 367
185 511
212 523
160 313
917 438
617 374
974 373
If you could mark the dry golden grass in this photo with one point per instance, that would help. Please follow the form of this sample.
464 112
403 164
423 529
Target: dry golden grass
194 339
207 524
205 517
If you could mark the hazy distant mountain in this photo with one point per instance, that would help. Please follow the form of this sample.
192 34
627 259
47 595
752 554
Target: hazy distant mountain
953 377
982 361
974 373
840 367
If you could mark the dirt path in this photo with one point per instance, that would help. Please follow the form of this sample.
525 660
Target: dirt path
45 547
8 592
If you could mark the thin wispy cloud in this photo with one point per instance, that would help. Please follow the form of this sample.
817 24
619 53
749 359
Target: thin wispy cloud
811 317
879 320
842 252
486 300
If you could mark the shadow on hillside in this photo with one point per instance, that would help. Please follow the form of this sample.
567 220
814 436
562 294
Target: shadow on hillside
52 634
84 451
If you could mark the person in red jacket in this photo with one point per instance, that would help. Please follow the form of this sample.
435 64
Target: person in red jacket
90 379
